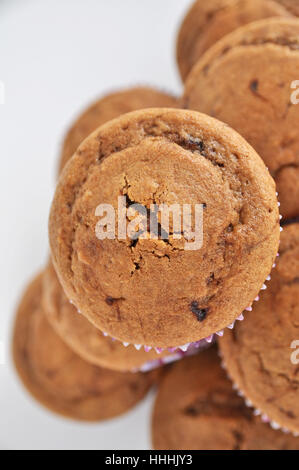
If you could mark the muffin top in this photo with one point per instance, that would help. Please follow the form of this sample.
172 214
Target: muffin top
247 80
197 409
259 354
164 288
208 21
110 107
58 378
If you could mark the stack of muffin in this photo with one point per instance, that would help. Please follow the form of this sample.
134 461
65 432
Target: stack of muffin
110 311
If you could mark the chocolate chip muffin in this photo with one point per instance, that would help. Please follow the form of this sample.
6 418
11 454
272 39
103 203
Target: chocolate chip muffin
58 378
89 342
110 107
160 291
258 355
197 409
208 21
245 80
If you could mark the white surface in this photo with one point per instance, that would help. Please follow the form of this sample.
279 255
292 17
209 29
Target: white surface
55 57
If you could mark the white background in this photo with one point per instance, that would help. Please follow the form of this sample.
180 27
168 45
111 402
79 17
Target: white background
55 57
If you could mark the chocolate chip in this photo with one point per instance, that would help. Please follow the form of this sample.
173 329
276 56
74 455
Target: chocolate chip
219 164
137 266
134 242
110 300
194 144
210 279
290 414
200 313
254 85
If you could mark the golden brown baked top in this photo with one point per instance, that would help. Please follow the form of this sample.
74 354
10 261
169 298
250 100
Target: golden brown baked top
145 291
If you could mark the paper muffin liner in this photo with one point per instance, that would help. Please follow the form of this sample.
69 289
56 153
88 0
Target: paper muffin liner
163 361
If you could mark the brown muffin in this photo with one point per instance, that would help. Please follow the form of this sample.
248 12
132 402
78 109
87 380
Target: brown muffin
89 342
258 354
110 107
153 291
208 21
58 378
197 409
245 80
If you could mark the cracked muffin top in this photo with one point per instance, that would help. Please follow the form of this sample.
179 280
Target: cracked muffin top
208 21
197 409
258 354
110 107
155 291
86 340
58 378
246 81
